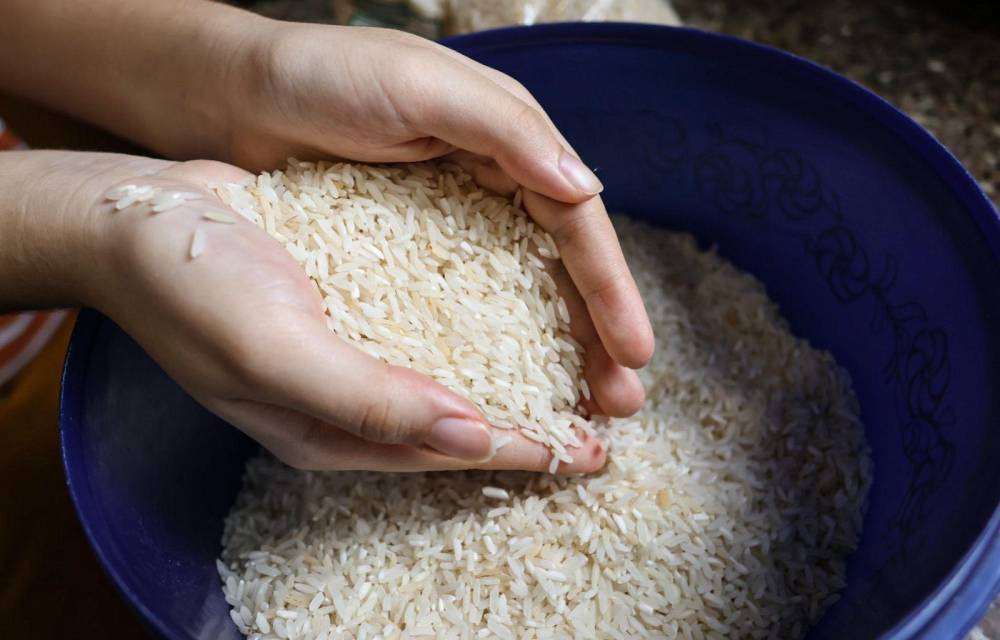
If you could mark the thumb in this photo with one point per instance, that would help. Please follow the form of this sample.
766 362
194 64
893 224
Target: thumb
342 386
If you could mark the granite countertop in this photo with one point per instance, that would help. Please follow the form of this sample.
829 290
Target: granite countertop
940 65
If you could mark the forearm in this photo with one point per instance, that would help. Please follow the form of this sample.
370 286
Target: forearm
153 71
51 233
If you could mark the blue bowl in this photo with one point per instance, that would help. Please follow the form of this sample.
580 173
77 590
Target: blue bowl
875 242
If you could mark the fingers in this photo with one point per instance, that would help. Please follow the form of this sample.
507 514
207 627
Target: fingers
615 390
469 111
305 442
613 290
528 455
505 82
593 258
318 374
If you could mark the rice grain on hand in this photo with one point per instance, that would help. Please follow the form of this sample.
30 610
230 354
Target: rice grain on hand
218 216
197 243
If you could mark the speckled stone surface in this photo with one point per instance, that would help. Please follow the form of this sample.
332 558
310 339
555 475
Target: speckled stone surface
941 67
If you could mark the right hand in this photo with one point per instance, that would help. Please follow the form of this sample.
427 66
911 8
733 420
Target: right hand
377 95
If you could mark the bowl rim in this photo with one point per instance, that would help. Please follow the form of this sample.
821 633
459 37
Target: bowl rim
950 610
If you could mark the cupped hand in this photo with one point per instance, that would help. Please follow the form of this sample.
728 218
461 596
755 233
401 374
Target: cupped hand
233 86
376 95
242 329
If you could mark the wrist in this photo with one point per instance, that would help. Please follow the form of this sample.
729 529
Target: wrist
53 211
156 73
193 108
249 103
270 87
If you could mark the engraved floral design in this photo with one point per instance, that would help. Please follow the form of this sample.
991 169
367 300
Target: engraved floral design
741 173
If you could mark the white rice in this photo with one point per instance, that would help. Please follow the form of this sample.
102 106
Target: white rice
197 243
219 216
167 200
726 509
130 194
420 267
496 493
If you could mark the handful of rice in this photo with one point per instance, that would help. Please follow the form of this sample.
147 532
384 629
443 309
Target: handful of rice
420 267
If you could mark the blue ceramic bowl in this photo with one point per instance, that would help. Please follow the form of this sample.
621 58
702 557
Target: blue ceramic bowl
875 242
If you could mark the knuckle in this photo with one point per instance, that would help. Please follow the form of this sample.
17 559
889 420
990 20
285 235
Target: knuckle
519 89
376 420
543 458
407 97
523 120
296 454
249 355
246 362
568 232
310 449
296 460
604 283
309 440
276 56
515 87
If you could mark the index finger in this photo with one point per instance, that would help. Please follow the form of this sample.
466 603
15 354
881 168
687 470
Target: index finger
330 448
470 111
592 256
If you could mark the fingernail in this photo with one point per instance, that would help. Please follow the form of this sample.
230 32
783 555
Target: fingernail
461 438
578 174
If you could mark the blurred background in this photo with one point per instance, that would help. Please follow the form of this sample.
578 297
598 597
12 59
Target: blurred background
939 62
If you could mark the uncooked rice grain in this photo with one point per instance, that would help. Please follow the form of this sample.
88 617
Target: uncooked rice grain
422 268
726 509
158 198
496 493
130 194
197 243
167 200
219 216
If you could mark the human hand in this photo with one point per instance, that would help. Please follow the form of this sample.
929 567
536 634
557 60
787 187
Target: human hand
241 328
234 86
382 96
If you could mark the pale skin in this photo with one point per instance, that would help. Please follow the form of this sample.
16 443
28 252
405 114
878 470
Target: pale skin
240 327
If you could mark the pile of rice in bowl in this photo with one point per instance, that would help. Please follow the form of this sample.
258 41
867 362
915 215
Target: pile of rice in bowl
726 509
